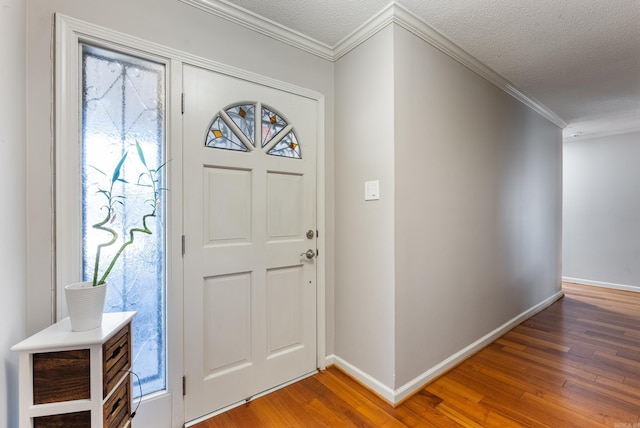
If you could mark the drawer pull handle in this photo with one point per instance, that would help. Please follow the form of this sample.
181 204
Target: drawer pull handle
116 352
115 406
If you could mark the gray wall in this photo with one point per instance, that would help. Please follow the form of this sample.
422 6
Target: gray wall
477 211
466 234
175 25
13 265
601 214
364 293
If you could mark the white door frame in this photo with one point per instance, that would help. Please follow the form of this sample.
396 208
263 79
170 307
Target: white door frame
68 32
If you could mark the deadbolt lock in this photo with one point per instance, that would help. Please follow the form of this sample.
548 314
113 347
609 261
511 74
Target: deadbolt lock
310 234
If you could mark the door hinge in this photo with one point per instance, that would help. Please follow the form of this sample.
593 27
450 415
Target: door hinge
184 245
184 386
182 103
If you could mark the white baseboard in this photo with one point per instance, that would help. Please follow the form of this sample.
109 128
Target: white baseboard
602 284
417 383
398 395
366 379
330 360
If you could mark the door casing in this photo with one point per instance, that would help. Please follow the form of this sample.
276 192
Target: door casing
68 31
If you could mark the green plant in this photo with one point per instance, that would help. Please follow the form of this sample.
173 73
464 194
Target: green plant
149 178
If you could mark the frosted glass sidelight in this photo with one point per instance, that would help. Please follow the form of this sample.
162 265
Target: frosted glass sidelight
123 101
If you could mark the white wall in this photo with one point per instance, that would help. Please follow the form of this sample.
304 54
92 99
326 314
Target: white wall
364 257
466 232
466 235
601 214
13 264
169 23
478 207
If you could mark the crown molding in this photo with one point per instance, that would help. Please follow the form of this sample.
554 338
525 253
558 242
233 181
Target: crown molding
376 23
392 13
264 26
567 138
399 15
412 23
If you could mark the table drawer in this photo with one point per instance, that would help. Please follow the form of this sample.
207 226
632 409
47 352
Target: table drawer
116 358
61 376
117 409
66 420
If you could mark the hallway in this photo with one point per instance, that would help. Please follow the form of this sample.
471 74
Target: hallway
575 364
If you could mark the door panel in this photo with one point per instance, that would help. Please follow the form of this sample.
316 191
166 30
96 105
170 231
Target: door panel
227 200
250 293
284 211
284 298
227 318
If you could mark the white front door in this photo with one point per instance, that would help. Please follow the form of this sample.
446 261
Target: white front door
250 218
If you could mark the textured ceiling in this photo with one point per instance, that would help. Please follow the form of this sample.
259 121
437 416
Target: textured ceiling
580 58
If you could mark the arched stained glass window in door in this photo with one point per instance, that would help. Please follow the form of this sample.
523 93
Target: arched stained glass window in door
243 116
288 147
235 128
272 124
221 136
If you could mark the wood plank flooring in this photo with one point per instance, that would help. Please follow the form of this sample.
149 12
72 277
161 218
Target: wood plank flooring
575 364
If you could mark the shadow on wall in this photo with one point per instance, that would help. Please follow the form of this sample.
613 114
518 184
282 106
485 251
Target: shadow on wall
11 382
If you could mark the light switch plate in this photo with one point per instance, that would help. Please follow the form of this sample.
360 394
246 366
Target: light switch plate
371 190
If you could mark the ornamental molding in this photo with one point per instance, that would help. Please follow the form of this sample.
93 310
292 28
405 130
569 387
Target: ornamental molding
393 13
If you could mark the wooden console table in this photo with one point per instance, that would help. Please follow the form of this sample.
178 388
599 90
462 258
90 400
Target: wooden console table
77 379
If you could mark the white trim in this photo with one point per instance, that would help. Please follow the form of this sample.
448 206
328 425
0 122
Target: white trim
69 33
368 29
398 14
115 37
392 13
262 25
417 383
567 138
421 29
321 316
330 360
602 284
364 378
66 212
175 265
396 396
68 27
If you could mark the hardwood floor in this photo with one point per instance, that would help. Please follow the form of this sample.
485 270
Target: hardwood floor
575 364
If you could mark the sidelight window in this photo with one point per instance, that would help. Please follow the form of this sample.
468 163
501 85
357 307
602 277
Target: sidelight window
123 103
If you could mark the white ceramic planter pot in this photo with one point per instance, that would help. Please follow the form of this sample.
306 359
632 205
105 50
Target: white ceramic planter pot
85 304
